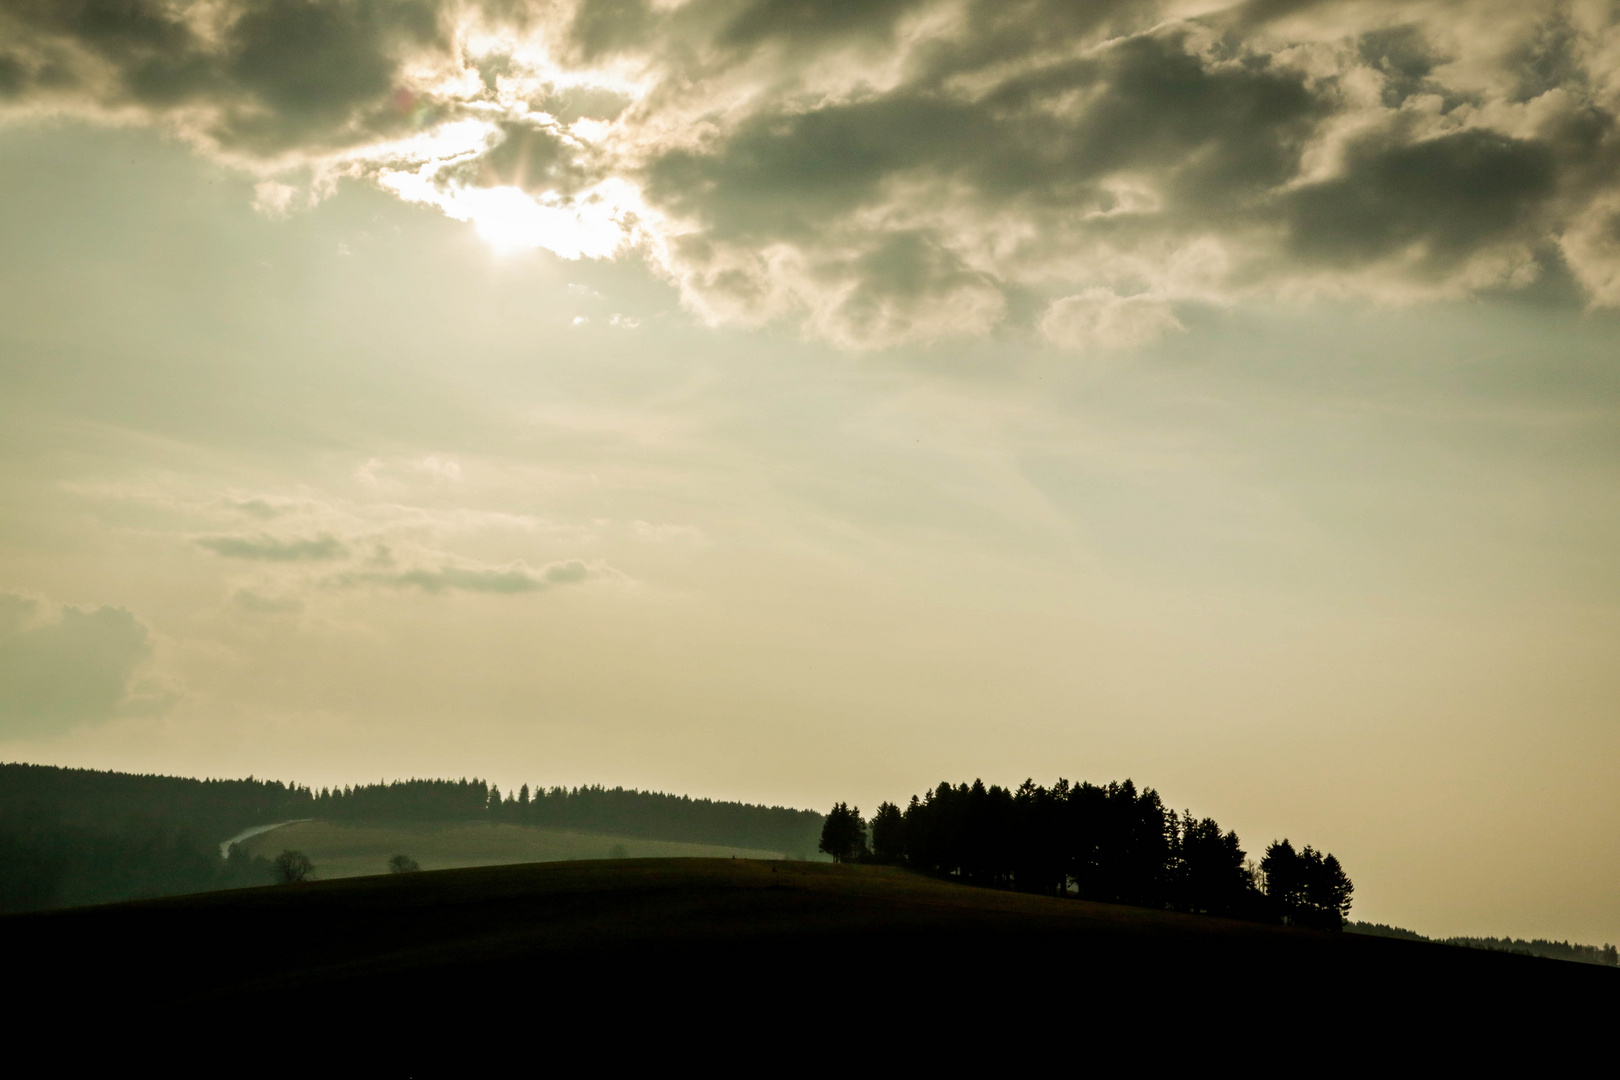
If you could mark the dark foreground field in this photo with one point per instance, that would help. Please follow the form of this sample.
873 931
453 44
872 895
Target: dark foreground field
631 955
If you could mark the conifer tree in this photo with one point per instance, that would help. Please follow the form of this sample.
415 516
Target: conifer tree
843 834
888 833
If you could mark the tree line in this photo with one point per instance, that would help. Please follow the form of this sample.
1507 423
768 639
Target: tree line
625 811
94 799
1110 842
1602 955
82 836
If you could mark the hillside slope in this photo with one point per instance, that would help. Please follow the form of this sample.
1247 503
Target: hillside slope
735 949
343 850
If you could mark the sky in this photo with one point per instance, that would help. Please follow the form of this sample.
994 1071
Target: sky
798 401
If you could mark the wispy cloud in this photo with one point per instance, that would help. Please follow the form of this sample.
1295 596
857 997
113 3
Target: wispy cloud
510 579
273 549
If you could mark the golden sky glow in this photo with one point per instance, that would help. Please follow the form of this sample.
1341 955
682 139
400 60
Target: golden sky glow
802 401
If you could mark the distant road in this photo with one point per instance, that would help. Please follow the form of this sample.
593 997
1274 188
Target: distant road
257 830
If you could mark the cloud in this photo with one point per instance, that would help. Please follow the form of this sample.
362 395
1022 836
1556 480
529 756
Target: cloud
255 508
442 468
272 549
1101 319
514 578
273 198
260 77
899 170
64 666
250 601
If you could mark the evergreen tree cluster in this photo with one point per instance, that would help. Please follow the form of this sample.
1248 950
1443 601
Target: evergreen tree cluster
1602 955
659 816
211 810
1308 886
1113 843
425 801
626 811
81 836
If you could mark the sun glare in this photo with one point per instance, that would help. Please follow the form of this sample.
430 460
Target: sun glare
510 221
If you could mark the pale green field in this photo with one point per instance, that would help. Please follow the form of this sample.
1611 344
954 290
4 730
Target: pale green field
340 851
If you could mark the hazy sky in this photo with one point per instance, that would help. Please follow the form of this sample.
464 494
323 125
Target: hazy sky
796 400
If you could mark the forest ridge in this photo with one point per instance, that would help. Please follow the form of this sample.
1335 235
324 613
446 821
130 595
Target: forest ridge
80 836
1111 843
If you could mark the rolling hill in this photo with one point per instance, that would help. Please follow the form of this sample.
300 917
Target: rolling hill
622 957
354 850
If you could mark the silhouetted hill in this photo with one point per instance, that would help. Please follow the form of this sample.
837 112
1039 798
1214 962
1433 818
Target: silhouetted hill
453 970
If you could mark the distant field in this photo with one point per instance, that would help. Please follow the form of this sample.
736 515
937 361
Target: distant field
345 851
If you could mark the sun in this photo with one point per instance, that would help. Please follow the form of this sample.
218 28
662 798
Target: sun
511 220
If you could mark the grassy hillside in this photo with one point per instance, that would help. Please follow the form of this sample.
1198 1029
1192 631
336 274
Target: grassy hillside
425 973
344 851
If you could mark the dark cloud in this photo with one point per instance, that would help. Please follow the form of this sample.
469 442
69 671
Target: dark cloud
787 176
1155 142
1257 13
1403 56
62 668
13 75
995 33
1448 196
1547 58
271 549
283 73
314 64
891 170
898 280
814 20
1152 106
1220 137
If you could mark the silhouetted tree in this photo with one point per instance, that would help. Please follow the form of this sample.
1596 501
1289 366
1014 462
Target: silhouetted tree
843 834
889 833
292 867
1306 888
1112 842
402 864
1327 891
1208 871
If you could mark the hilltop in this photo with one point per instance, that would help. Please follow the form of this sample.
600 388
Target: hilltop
726 949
